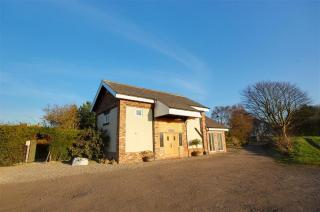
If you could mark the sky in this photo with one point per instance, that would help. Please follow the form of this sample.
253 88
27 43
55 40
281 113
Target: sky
57 52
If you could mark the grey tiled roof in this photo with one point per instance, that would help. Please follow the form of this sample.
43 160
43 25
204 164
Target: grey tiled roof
171 100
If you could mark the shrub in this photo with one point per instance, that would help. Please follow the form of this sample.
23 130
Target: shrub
89 145
146 154
62 141
11 149
12 143
13 138
195 142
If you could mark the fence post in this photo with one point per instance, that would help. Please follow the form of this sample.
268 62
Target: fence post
28 149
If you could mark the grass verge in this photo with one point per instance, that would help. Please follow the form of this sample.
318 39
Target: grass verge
305 151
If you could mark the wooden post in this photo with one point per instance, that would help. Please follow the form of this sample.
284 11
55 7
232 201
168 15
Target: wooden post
28 149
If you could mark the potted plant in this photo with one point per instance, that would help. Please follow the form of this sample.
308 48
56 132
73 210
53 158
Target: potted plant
193 143
147 156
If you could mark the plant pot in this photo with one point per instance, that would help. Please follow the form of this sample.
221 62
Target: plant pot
195 153
147 159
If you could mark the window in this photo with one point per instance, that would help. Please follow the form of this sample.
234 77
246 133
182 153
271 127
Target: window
180 139
211 142
220 141
139 112
107 118
161 139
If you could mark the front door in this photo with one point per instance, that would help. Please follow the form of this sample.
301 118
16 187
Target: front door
171 144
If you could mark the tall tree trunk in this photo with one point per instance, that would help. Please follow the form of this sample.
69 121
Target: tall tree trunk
286 140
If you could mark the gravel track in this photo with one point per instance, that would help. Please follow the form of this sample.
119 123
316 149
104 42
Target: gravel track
239 181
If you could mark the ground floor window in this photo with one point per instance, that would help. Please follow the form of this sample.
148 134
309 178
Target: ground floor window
215 141
161 139
220 145
180 139
211 142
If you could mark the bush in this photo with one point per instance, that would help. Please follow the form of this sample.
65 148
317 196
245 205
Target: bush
62 141
89 145
146 154
195 142
13 138
11 147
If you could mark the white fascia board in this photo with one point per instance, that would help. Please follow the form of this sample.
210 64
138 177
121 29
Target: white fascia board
204 109
102 84
218 129
180 112
108 88
134 98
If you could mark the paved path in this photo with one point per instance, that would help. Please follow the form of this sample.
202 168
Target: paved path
240 181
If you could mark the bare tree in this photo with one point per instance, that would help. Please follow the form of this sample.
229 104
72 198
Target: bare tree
275 103
221 114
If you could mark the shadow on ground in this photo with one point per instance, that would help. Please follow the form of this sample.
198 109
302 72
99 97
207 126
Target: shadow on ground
312 143
263 149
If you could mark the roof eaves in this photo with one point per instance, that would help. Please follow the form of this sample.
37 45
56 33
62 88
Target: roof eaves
106 86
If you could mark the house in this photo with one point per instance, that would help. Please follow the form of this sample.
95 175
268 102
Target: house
138 119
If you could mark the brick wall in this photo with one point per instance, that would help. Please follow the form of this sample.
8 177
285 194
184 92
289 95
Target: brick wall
125 157
162 124
204 132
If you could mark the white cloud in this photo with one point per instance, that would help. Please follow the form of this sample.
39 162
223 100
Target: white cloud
131 31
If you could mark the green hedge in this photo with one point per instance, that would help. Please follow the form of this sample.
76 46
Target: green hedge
13 138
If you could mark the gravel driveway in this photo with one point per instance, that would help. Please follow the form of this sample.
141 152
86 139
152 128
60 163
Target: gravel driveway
238 181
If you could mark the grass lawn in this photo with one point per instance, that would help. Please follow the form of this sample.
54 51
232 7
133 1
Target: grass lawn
315 139
305 151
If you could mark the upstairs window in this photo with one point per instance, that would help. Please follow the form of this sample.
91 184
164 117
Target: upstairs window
139 112
107 118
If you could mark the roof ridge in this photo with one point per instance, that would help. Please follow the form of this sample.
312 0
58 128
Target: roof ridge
147 89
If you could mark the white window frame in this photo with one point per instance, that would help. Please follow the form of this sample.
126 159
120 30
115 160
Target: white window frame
107 118
141 112
220 142
212 142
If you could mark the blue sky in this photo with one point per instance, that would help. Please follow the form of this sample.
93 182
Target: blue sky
56 52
